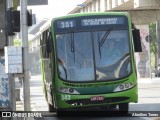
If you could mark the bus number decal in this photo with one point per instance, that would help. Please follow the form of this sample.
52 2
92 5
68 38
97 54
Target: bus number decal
65 97
66 24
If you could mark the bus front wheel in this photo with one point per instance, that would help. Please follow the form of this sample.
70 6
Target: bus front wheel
124 107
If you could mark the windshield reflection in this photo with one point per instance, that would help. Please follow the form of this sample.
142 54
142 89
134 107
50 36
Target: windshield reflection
76 55
84 55
113 55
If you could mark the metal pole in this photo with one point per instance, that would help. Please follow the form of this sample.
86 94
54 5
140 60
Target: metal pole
10 39
11 78
12 81
9 3
24 37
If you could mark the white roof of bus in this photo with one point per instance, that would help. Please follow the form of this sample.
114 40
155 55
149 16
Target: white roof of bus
45 26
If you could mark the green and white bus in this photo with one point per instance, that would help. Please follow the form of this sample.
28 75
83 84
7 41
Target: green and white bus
87 60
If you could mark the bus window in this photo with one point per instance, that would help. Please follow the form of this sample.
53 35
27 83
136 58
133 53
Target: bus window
43 42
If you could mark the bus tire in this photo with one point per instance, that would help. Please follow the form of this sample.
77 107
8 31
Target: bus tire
51 108
113 107
124 107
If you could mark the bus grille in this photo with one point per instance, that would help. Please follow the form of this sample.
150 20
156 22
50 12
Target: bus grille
87 85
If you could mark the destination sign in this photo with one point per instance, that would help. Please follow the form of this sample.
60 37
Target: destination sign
37 2
102 21
87 23
66 24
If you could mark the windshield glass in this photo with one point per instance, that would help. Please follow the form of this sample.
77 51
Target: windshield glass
112 54
83 56
75 56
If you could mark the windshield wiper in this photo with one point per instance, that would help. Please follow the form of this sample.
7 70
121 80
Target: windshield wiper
72 45
101 42
99 45
104 37
72 42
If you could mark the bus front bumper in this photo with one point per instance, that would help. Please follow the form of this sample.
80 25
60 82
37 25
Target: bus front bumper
81 101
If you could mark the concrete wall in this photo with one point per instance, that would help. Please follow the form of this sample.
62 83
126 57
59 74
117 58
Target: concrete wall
146 4
142 17
143 58
4 85
4 79
141 11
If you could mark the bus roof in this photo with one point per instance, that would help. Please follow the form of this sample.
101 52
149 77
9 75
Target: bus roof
45 26
93 13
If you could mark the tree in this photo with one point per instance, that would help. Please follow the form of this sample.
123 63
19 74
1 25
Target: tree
15 4
18 42
153 44
152 32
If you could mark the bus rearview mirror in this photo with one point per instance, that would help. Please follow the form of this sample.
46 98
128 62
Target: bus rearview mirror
49 43
137 40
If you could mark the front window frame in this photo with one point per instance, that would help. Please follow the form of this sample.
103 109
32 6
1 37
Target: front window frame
78 27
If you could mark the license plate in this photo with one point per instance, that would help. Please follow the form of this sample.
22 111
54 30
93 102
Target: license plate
97 98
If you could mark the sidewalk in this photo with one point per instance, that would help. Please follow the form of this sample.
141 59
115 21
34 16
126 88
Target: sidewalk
37 99
149 80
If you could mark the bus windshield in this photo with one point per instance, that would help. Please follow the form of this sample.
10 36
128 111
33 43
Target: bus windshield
93 56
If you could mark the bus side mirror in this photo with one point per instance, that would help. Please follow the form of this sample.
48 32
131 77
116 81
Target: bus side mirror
137 40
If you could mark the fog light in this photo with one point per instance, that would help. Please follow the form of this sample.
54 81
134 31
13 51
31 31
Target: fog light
121 87
68 90
124 86
71 90
127 85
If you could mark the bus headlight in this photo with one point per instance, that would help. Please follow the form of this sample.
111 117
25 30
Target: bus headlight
123 87
68 90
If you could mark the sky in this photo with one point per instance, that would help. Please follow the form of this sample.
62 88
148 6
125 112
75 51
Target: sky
55 8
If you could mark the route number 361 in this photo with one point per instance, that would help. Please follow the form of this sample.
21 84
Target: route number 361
65 97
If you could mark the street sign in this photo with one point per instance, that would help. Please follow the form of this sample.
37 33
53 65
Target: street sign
13 59
37 2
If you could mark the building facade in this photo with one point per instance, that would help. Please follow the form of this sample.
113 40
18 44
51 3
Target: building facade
142 11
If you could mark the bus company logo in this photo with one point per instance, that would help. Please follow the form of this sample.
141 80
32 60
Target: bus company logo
97 98
6 114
